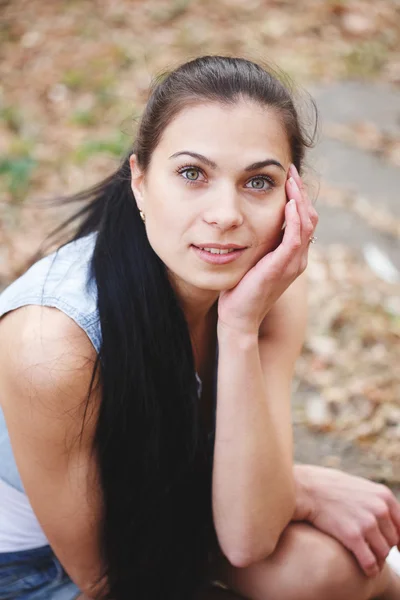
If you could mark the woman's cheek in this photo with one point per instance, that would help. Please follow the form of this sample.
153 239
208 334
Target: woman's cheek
272 233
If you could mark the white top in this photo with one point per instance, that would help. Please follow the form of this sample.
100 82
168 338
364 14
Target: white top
394 560
19 527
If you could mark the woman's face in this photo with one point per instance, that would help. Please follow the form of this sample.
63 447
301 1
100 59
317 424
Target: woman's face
217 177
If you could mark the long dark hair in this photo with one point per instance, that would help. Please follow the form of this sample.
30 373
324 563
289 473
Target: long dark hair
154 462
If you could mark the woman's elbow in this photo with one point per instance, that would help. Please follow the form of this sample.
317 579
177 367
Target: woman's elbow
245 557
259 548
242 558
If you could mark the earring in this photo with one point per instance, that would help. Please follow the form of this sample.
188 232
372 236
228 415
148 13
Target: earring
142 215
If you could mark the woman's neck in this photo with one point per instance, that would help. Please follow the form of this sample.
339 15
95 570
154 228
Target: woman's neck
203 337
199 305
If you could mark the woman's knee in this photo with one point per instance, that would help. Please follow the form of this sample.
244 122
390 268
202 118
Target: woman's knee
306 565
323 567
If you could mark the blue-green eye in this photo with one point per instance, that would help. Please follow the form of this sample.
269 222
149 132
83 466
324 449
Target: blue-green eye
190 173
258 183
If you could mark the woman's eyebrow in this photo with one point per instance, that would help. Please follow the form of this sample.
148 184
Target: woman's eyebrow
253 167
264 163
205 160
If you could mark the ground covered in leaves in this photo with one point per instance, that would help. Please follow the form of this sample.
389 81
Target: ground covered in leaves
73 79
350 363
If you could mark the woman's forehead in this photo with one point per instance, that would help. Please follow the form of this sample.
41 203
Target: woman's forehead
217 129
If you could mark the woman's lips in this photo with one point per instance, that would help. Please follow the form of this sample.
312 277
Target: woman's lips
218 259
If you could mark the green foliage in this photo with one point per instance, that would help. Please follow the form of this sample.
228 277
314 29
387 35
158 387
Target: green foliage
16 168
11 117
94 79
74 79
116 146
17 172
84 118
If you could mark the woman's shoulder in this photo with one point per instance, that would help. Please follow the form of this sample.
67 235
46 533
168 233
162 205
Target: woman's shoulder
61 280
44 355
35 335
48 328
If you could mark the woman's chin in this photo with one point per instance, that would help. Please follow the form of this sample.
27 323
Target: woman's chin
218 282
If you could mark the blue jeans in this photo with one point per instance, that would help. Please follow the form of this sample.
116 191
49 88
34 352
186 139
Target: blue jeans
34 575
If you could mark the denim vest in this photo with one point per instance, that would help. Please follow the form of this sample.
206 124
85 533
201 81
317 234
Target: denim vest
60 280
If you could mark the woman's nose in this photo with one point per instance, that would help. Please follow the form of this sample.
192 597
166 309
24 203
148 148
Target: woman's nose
224 209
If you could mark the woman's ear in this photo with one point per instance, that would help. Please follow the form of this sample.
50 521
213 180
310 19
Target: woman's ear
137 181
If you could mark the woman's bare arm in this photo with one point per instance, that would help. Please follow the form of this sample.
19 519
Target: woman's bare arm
253 485
46 363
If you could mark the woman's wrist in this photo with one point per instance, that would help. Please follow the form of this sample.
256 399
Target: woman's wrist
305 504
242 338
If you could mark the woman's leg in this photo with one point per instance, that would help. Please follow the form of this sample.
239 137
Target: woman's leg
307 565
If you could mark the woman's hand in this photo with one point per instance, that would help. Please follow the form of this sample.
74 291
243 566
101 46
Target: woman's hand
243 308
362 515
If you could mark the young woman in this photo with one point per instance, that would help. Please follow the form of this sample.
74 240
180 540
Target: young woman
145 375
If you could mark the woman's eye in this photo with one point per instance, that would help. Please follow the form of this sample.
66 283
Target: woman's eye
190 173
260 183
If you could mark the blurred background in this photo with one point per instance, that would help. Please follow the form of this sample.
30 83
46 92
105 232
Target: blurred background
74 76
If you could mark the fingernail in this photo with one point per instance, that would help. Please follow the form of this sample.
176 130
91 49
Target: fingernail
292 203
293 183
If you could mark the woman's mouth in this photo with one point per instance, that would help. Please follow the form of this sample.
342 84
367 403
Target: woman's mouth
218 254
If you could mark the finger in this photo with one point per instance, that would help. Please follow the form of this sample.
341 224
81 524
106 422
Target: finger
291 241
275 264
394 508
296 176
354 540
389 512
378 544
389 531
306 226
308 214
292 234
312 212
366 559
